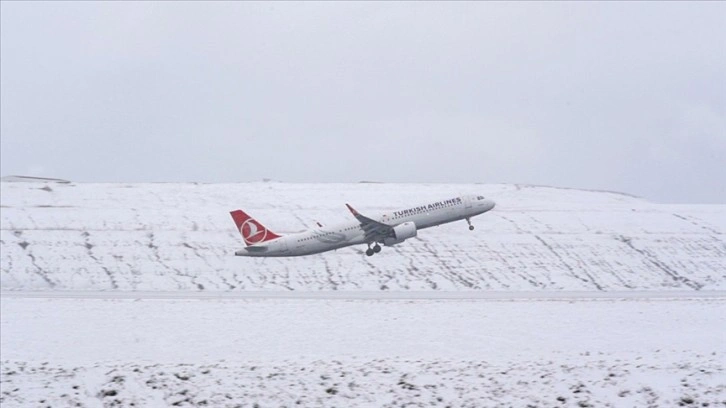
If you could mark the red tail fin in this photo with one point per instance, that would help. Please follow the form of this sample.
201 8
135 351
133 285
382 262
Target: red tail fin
252 231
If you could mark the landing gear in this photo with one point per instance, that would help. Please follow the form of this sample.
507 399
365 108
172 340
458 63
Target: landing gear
373 250
471 227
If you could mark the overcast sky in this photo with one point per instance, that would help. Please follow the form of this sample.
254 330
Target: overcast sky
619 96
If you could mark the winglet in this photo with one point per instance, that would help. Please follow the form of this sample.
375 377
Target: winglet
352 210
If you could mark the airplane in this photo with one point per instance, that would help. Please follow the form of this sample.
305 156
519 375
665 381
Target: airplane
388 229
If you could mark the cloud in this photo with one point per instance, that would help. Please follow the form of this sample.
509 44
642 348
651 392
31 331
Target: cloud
594 95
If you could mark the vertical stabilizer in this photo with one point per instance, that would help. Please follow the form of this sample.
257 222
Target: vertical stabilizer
252 231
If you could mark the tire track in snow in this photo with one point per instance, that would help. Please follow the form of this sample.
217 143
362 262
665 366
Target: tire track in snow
155 251
692 222
415 271
9 259
516 226
329 273
590 279
621 280
488 273
658 264
517 272
454 276
89 247
523 273
37 269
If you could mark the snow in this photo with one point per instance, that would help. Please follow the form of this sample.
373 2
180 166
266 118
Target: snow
129 295
603 352
179 236
587 381
162 330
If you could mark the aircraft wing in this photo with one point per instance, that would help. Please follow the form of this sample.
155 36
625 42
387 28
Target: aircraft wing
374 230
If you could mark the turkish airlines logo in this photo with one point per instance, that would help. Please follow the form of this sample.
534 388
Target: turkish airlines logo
253 232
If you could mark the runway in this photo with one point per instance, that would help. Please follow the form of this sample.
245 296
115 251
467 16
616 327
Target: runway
371 295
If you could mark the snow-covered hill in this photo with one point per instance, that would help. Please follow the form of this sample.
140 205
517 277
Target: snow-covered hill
179 236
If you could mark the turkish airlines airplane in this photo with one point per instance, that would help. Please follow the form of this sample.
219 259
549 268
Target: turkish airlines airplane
388 229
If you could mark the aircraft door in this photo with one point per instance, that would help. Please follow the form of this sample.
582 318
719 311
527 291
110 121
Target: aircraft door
467 201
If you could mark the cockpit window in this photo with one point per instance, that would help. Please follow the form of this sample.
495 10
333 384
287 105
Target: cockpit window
479 197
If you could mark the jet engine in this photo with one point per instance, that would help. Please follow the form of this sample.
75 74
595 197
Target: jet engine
401 233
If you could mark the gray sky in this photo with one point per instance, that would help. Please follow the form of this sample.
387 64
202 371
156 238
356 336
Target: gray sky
619 96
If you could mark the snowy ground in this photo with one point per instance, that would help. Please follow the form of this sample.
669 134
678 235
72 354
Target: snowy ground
586 381
128 295
83 236
276 352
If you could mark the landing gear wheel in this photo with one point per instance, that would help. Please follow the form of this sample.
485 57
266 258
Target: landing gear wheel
369 252
377 248
471 227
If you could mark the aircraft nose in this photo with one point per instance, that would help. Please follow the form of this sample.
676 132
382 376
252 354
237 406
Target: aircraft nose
489 204
241 252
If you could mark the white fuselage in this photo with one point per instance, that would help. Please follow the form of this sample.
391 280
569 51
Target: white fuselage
342 235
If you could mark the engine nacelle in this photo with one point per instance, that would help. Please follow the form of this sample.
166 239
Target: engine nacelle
401 233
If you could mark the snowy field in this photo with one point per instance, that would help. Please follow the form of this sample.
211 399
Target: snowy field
168 236
297 352
129 295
